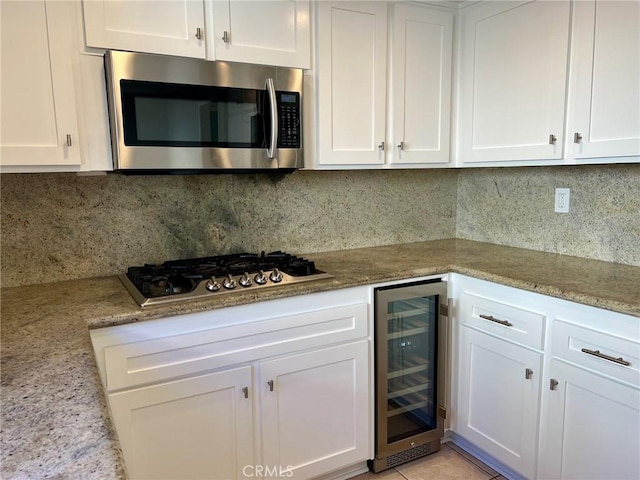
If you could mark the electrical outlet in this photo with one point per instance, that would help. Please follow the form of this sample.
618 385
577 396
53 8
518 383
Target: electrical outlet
563 196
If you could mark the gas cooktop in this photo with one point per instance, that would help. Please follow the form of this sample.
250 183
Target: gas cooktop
178 280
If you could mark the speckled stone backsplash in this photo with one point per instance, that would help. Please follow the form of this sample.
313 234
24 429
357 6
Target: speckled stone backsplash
62 226
514 207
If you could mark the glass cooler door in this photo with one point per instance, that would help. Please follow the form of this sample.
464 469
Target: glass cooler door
406 331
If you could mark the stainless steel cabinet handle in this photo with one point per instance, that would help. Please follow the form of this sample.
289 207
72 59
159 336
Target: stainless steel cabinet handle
69 143
225 37
596 353
553 383
199 33
401 146
528 373
552 139
577 137
270 383
245 390
496 320
381 147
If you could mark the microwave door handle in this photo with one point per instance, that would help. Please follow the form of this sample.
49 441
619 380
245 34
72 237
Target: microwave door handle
271 90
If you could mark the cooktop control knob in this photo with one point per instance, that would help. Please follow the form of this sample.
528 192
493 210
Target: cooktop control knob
260 278
229 283
212 285
245 281
275 276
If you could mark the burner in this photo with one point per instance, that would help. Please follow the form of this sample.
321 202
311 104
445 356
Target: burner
176 280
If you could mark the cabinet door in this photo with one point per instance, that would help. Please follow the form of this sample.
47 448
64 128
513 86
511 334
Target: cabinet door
498 399
592 427
421 55
38 121
315 410
606 79
351 72
170 27
198 427
513 81
272 32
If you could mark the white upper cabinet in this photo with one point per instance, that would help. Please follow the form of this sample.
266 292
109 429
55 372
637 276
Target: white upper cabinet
352 79
39 122
513 81
420 85
383 79
604 107
171 27
271 32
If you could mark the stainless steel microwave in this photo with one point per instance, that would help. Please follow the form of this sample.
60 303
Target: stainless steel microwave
175 115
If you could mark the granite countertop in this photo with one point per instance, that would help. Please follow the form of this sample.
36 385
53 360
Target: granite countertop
55 422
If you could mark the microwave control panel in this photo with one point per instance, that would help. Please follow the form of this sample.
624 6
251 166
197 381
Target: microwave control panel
289 119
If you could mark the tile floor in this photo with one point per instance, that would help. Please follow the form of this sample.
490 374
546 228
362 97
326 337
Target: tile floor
450 463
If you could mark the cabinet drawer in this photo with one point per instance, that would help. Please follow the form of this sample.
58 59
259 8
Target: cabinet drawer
503 320
603 352
158 359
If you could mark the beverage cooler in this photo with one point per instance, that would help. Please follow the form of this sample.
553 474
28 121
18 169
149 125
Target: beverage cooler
411 367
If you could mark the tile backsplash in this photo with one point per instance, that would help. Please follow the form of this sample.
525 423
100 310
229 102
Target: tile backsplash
63 226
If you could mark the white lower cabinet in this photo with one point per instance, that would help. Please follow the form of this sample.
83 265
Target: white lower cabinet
592 427
199 427
313 418
202 427
499 392
546 388
591 397
244 392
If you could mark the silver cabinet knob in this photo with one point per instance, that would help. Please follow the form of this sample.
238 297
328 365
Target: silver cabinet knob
401 146
260 278
245 281
552 139
229 283
577 138
199 33
381 147
275 276
212 285
225 37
